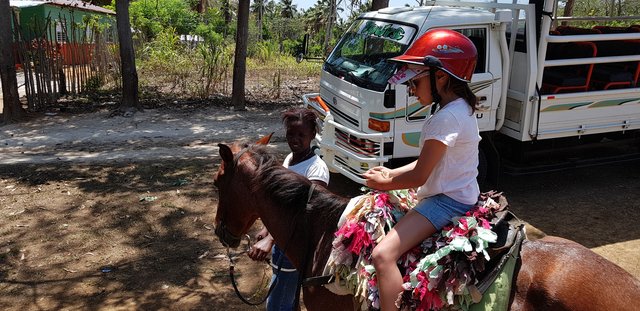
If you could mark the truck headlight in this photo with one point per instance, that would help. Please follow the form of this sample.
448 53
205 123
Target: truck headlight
380 126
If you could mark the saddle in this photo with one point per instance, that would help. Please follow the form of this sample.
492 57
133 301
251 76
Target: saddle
458 273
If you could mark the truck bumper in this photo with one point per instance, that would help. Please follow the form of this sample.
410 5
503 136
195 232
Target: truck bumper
345 150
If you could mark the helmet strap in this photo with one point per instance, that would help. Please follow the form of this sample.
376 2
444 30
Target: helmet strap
434 91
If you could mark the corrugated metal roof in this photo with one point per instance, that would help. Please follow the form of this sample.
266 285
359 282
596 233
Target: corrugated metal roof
24 3
65 3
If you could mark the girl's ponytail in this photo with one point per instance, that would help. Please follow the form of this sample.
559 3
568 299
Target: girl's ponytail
463 90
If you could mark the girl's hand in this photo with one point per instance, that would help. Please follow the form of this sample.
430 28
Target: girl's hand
377 178
261 249
386 172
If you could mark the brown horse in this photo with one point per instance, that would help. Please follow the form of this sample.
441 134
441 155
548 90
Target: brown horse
552 274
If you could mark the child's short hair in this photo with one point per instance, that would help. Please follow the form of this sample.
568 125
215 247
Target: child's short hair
306 116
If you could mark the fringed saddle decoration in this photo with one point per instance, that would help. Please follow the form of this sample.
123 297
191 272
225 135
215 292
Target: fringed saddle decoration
439 274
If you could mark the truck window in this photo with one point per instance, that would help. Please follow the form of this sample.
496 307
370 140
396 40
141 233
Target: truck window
479 38
361 55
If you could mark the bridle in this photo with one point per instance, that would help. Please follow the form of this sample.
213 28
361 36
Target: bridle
221 229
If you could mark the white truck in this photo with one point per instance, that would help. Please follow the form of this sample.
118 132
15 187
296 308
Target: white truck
538 83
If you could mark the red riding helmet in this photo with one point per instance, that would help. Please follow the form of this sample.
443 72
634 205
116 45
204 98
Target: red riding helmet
445 49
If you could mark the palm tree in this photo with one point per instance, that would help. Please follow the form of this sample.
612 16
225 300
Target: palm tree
226 7
258 9
315 16
270 8
332 12
288 9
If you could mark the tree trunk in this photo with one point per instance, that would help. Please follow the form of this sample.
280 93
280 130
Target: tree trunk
130 102
612 13
568 8
202 6
329 26
12 109
260 15
240 60
379 4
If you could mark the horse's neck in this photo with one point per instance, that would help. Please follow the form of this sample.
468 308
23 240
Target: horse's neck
295 232
284 227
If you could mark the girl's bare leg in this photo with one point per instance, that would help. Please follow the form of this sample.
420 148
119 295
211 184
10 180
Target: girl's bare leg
407 233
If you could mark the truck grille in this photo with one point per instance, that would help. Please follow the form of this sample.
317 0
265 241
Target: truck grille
363 147
343 163
343 116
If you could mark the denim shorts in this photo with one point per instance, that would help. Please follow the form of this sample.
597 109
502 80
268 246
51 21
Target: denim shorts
439 209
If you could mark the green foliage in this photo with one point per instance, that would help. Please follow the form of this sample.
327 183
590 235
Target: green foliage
217 59
212 21
604 8
263 51
94 83
291 47
164 47
152 17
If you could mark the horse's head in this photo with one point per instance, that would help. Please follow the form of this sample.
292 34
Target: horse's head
236 205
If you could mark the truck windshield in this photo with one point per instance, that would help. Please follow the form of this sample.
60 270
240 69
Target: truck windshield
361 55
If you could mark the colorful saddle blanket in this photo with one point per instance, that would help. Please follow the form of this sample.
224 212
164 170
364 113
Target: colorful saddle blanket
440 273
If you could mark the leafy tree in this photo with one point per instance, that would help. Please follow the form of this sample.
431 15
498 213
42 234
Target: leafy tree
12 109
240 59
212 20
331 18
151 17
129 103
226 7
288 9
258 9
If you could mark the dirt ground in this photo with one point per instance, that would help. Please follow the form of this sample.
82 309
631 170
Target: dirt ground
115 213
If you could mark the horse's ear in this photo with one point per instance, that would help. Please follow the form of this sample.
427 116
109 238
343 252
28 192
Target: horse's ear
225 153
264 140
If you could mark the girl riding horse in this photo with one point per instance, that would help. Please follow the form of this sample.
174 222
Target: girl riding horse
437 68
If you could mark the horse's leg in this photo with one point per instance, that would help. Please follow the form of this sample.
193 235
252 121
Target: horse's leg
318 298
558 274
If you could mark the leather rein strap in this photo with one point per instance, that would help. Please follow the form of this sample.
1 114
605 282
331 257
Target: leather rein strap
308 252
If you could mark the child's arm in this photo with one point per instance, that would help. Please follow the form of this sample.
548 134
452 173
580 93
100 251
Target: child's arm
412 175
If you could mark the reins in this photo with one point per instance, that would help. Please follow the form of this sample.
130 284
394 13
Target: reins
235 285
307 211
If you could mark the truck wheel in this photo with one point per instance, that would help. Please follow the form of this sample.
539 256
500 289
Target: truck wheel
483 166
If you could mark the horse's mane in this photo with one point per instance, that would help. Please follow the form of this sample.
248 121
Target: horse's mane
289 188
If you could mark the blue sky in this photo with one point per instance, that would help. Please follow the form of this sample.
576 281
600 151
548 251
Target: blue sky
305 4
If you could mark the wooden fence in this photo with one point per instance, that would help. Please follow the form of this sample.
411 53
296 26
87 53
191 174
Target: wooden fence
57 64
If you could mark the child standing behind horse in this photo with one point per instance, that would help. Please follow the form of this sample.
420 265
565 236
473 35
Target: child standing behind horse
437 68
300 126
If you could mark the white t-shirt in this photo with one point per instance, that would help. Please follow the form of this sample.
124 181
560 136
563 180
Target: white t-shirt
313 168
455 175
